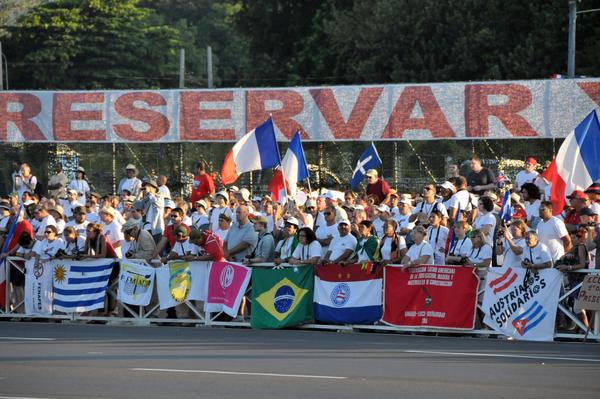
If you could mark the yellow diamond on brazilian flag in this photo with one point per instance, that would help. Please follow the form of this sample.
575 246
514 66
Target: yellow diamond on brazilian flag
180 280
282 297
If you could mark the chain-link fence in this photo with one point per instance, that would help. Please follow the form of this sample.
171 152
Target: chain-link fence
406 165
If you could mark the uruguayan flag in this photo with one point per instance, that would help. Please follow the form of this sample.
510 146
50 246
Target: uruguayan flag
80 286
368 160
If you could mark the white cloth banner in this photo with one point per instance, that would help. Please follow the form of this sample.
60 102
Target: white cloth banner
179 281
136 283
38 288
522 304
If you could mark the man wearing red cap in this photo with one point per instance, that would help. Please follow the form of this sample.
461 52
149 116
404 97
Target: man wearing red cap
579 200
528 175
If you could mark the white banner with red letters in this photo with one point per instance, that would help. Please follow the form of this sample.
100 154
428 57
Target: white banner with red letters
520 303
474 110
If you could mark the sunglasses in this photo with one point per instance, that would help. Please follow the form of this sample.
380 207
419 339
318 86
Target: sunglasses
327 213
174 216
48 232
301 235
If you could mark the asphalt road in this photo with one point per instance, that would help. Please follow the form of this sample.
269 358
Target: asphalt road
86 361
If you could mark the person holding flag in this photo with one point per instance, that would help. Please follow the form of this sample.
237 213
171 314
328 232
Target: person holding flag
368 160
293 169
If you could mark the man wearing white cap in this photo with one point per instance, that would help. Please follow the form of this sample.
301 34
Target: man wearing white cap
342 246
377 187
383 213
58 181
288 242
153 203
112 229
130 182
199 216
403 216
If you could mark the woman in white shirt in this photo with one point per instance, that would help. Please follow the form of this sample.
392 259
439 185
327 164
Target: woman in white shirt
486 220
420 253
47 248
392 247
74 244
532 199
80 184
308 250
510 244
480 255
460 247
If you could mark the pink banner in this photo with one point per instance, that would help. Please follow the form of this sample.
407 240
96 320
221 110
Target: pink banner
502 110
227 284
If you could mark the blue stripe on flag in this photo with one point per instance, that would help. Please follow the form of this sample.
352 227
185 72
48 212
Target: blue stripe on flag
77 304
525 314
267 145
296 147
83 291
587 134
86 280
537 311
355 315
534 323
90 269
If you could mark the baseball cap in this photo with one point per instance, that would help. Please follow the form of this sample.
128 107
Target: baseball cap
383 208
578 194
372 172
587 212
448 186
344 221
292 220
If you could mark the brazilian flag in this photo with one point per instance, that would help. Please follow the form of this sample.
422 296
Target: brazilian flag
282 297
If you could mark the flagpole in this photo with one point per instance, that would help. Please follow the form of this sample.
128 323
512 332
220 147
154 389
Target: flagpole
280 165
306 163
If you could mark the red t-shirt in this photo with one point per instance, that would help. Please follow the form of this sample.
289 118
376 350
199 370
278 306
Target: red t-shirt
168 234
572 217
380 189
204 186
213 246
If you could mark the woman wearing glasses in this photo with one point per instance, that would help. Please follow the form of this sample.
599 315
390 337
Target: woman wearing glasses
47 248
308 251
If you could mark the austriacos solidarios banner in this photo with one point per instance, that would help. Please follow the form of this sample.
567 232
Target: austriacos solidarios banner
520 303
498 110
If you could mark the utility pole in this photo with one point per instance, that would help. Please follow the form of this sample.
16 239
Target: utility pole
181 68
572 29
1 71
209 71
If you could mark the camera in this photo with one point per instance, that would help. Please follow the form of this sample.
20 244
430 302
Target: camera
60 252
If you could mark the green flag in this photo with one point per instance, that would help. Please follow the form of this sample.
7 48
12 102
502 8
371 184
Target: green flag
282 297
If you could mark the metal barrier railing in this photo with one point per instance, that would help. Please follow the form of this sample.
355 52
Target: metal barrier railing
146 315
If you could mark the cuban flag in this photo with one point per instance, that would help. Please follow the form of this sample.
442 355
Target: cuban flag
293 169
349 294
505 210
256 150
368 160
577 162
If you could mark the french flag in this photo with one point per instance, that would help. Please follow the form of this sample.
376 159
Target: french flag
293 169
577 162
348 294
256 150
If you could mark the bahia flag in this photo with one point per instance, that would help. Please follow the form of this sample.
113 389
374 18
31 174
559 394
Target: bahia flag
256 150
227 284
368 160
282 297
80 286
349 294
293 168
577 161
180 281
38 288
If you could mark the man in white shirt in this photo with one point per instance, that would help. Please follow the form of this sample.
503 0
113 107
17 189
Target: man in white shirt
341 247
44 219
421 211
112 229
535 255
162 186
552 232
130 183
528 175
383 215
58 181
79 222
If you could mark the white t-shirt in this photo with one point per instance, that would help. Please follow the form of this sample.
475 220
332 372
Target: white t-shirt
426 208
525 177
47 250
198 220
403 223
460 247
221 233
510 258
325 231
550 233
418 250
305 252
214 216
340 244
486 219
112 231
378 226
73 248
164 190
532 209
478 255
79 227
183 248
385 248
82 187
40 227
284 247
464 200
538 254
436 237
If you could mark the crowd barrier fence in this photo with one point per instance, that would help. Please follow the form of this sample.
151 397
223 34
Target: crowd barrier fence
148 315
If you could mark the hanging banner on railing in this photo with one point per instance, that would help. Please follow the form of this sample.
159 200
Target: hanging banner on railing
227 283
282 297
520 303
350 294
80 286
474 110
38 287
430 296
136 283
179 281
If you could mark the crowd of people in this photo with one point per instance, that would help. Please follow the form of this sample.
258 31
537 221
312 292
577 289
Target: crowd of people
452 222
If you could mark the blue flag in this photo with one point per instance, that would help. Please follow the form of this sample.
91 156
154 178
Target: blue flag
505 210
368 160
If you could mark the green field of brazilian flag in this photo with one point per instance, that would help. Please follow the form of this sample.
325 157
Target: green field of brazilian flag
282 297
